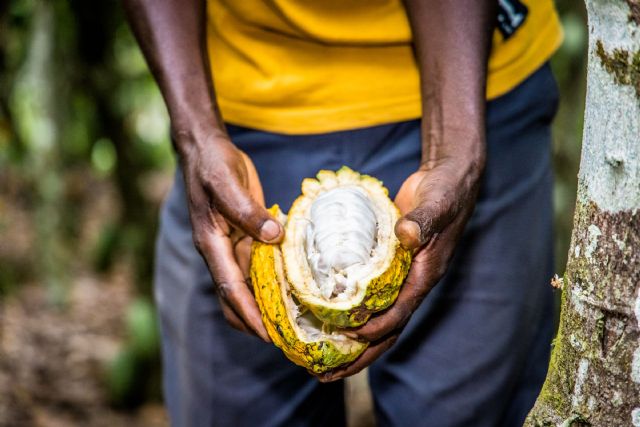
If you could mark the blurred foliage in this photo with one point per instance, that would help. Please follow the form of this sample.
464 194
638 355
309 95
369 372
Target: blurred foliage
128 373
85 155
83 139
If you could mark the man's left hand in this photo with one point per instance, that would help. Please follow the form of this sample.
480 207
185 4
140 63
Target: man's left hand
436 202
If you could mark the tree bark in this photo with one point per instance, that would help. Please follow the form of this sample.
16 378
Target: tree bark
594 373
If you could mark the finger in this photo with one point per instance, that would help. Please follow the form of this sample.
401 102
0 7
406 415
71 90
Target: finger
242 251
232 318
417 284
372 353
427 268
241 300
217 250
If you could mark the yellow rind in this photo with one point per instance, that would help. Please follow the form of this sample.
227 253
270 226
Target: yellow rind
318 356
381 291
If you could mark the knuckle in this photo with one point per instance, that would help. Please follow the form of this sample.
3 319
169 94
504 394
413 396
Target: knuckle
386 325
225 290
377 332
394 320
366 335
199 241
209 187
405 315
440 269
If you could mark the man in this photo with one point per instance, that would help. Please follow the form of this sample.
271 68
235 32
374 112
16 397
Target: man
394 90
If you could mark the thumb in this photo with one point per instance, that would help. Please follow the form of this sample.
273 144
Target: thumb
238 207
431 215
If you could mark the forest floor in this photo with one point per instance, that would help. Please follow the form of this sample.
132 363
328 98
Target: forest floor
53 359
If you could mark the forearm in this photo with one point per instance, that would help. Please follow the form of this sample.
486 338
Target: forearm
172 37
452 41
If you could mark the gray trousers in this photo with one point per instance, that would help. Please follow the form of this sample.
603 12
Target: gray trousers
475 352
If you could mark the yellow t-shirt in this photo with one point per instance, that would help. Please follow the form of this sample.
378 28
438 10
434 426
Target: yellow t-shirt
304 66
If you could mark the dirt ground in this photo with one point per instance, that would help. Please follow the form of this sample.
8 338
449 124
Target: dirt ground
52 360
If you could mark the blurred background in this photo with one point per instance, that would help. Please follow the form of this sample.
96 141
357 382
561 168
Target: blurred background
85 162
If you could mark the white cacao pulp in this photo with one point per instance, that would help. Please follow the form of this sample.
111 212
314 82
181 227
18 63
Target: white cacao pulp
340 239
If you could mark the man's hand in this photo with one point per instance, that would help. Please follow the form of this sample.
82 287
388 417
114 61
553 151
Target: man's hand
436 203
452 42
227 211
225 197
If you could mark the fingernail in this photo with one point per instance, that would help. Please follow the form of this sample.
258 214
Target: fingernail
270 230
408 232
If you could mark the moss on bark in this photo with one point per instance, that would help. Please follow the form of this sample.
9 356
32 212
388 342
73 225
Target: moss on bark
623 65
634 11
590 375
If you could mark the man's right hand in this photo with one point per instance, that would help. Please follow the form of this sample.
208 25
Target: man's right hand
225 197
226 206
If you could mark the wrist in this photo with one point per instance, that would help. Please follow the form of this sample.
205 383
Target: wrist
472 152
191 140
463 146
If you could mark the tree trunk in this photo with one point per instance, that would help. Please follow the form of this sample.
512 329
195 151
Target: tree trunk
594 374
